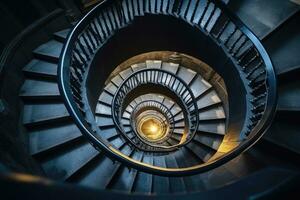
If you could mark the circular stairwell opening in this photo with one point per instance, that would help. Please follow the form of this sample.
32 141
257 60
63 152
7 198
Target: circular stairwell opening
101 106
203 94
152 127
154 33
151 78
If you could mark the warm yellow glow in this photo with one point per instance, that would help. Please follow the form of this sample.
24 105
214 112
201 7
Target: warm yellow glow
29 178
152 129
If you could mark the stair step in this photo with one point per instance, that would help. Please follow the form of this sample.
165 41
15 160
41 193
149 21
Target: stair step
131 178
213 113
212 127
138 66
125 121
117 80
177 184
203 153
178 131
111 88
168 103
179 117
289 71
285 133
102 109
103 122
186 158
217 177
144 181
36 114
212 141
153 64
170 67
115 174
172 141
194 183
288 96
52 136
154 97
199 86
99 174
117 142
130 107
209 99
126 115
283 45
67 162
108 133
261 16
179 124
106 98
40 69
161 184
176 137
122 178
125 73
187 75
35 89
62 35
240 166
136 101
49 51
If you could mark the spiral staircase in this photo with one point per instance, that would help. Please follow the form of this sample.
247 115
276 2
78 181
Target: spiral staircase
168 99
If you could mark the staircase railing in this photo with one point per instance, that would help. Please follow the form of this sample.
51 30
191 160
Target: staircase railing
162 79
168 119
237 41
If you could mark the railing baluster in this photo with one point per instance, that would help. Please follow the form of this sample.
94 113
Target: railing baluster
254 69
243 47
97 32
235 43
230 36
252 81
101 30
258 97
78 53
204 12
258 87
87 45
191 19
240 47
250 61
91 38
210 17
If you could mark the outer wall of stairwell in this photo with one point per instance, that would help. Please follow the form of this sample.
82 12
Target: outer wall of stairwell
14 153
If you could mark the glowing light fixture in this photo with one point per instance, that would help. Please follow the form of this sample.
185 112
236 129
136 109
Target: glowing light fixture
152 129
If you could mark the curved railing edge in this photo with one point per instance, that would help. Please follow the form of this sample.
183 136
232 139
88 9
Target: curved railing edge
155 101
267 119
171 74
270 108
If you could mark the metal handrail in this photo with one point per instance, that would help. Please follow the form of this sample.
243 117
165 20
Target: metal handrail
153 104
159 77
73 65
